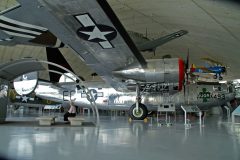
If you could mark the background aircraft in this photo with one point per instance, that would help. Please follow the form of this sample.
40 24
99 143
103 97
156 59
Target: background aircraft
216 68
143 43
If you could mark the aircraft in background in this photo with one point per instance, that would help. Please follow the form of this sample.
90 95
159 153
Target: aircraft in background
216 68
93 31
143 43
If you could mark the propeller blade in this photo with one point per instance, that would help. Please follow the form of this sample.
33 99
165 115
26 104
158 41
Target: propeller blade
187 63
186 79
184 90
187 67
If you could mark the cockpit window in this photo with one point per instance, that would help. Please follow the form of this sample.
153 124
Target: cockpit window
6 5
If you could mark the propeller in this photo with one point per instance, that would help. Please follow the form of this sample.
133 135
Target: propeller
186 71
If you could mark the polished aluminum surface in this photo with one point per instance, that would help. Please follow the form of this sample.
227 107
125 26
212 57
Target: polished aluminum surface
204 96
157 70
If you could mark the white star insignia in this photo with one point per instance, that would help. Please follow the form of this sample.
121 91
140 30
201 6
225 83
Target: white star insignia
94 94
96 33
24 99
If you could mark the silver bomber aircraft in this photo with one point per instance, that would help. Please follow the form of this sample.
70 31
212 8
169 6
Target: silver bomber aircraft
107 98
93 31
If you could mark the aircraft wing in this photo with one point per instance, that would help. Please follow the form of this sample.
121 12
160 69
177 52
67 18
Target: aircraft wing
89 27
212 61
4 37
153 44
96 34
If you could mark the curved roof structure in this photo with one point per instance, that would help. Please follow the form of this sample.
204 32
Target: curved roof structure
213 28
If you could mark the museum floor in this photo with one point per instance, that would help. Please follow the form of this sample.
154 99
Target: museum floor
117 139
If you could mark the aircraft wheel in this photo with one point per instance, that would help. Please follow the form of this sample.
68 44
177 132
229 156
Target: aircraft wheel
138 114
220 78
215 76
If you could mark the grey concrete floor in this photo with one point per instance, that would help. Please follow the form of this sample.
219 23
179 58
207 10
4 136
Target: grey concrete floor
117 139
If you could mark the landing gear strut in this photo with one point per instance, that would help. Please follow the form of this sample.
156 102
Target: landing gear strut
138 97
138 111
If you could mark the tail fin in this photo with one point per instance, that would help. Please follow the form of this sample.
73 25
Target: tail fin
152 45
55 56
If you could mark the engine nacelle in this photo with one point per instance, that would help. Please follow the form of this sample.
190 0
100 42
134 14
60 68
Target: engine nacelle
157 71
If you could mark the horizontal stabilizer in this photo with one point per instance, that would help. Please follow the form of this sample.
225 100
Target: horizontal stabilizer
152 45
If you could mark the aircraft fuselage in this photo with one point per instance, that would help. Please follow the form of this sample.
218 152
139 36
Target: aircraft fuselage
204 96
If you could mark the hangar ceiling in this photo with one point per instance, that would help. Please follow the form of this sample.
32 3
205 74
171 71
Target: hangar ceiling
213 27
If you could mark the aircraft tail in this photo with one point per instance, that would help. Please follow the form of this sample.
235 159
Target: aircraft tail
152 45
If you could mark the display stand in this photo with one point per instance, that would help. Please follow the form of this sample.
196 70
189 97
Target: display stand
228 111
168 107
236 112
191 109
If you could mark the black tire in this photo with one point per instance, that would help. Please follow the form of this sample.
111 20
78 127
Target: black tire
220 78
215 77
141 115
